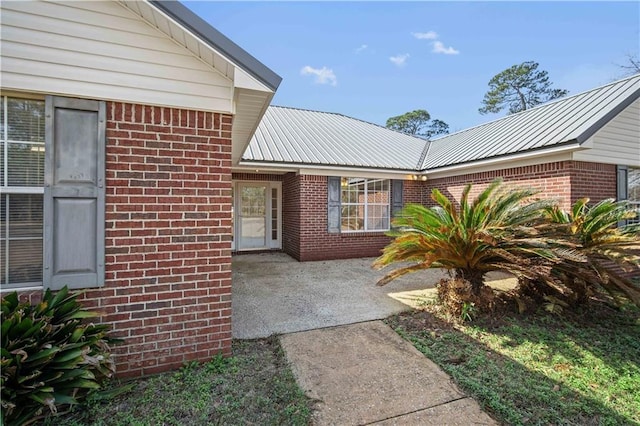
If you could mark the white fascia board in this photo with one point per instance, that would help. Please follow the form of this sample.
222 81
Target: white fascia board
560 153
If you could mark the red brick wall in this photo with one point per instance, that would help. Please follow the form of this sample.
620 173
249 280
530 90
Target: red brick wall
414 192
168 231
593 180
291 215
315 243
565 181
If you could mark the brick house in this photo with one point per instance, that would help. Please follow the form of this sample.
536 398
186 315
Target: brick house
138 151
334 181
120 123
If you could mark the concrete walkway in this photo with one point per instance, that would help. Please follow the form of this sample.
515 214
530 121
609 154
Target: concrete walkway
365 373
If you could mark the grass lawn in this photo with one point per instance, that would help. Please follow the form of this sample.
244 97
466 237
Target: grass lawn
255 386
579 369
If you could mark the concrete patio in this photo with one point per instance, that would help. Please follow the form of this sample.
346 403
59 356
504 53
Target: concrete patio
275 294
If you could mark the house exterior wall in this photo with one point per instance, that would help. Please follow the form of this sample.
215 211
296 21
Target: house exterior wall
291 215
305 235
565 181
618 142
104 51
167 289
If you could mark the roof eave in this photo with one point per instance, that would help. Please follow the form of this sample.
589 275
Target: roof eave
568 146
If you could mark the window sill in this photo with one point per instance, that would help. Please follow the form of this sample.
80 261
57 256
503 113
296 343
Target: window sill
363 233
21 289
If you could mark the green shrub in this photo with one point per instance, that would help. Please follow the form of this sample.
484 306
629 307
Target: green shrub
51 358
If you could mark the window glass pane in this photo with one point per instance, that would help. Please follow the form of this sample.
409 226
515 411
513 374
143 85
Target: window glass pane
2 169
25 215
25 120
21 238
25 261
26 164
253 201
634 184
274 213
377 217
2 122
3 217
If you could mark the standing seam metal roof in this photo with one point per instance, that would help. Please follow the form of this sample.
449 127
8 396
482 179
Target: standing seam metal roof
569 120
296 136
290 135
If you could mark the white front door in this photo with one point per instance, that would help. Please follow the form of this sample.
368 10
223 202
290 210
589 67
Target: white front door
257 218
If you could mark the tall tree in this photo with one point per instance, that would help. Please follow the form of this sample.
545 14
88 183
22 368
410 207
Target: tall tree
519 87
418 123
632 66
436 127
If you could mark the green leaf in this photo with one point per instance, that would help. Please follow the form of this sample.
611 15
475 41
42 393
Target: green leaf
68 356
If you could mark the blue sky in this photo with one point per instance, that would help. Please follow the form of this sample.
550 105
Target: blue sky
374 60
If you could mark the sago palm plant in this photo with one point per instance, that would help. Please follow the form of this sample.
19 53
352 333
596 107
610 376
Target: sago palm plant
497 231
608 248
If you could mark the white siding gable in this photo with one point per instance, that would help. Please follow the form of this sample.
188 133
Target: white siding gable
618 142
102 50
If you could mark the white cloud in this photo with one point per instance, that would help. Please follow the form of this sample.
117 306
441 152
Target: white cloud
438 47
429 35
322 75
399 60
361 48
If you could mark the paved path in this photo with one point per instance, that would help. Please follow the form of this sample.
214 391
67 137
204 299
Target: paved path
365 373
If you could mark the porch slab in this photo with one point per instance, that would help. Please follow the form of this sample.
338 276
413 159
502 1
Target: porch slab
275 294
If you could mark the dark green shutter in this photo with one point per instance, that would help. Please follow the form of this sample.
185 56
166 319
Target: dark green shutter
397 186
334 196
74 193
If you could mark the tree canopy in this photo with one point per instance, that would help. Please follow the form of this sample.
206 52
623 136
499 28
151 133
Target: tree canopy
418 123
519 88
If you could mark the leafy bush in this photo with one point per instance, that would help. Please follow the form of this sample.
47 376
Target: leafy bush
609 250
50 357
560 258
494 232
